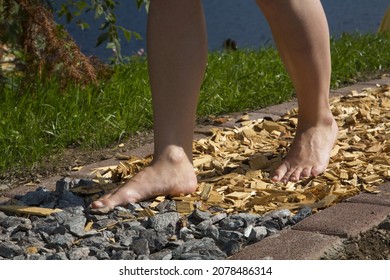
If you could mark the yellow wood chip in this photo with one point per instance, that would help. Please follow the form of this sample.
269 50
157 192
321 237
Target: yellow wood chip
28 210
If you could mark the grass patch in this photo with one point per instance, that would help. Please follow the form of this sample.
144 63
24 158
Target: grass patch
45 119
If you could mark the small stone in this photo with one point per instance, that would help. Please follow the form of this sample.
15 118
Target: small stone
61 241
231 224
84 182
186 234
228 235
125 237
68 199
35 198
156 241
214 219
201 216
78 253
278 214
218 217
11 223
36 257
141 246
57 256
165 222
162 255
272 225
166 206
212 232
105 223
124 255
385 225
256 233
9 250
17 236
204 248
99 254
133 207
19 257
73 219
121 213
76 225
248 218
303 213
64 184
232 247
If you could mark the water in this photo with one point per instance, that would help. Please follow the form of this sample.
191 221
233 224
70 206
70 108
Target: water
240 20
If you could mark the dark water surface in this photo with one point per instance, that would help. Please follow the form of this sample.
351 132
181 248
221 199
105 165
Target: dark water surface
240 20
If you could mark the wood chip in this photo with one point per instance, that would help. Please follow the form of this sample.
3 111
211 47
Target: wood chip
28 210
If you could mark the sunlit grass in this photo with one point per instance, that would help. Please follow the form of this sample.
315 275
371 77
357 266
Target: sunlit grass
45 118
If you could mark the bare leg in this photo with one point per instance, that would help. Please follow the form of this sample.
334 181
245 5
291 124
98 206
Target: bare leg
301 34
177 55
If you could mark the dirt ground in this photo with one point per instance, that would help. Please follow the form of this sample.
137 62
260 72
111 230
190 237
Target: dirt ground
373 245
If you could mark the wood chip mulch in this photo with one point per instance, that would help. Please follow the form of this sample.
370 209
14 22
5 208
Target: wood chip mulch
234 164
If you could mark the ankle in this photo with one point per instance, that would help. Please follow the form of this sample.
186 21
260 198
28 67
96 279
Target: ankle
173 154
325 119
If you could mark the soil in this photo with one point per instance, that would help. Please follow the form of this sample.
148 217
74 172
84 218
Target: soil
372 245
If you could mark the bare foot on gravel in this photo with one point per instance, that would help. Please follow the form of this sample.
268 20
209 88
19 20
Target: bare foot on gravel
309 153
171 174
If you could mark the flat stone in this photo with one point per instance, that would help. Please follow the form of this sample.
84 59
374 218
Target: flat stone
345 219
289 245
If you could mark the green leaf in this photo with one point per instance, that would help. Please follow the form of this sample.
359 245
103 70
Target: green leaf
126 33
83 25
102 37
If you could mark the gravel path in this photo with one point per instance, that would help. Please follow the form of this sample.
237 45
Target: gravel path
129 233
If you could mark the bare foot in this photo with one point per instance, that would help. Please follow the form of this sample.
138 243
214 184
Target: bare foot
171 174
309 153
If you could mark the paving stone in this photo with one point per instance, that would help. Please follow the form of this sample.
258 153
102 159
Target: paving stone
345 219
382 198
289 245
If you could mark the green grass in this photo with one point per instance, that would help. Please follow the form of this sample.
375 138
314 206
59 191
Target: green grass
45 118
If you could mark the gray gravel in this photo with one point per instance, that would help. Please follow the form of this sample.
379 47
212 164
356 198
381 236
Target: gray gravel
123 234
